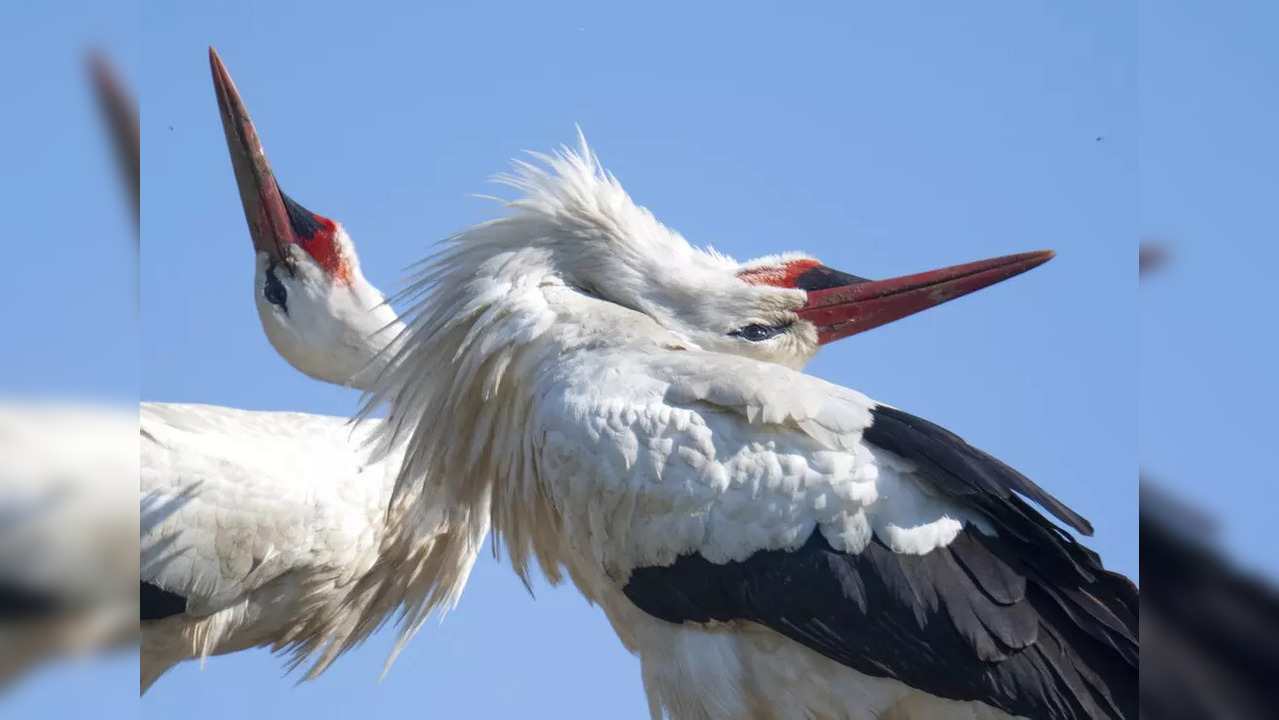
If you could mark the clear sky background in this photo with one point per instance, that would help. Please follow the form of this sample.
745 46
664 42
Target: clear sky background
884 138
69 297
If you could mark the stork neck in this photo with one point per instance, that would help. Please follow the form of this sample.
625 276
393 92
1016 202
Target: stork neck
372 337
339 333
381 349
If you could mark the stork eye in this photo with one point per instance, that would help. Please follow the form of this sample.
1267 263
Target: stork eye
274 292
759 333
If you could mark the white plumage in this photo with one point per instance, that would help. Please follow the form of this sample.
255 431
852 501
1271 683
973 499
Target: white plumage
67 518
625 407
266 529
267 522
276 529
67 531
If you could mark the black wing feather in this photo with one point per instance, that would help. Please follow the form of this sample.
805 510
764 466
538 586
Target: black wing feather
19 603
1028 622
156 603
962 468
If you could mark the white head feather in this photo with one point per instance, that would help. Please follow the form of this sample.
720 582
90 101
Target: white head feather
334 327
576 264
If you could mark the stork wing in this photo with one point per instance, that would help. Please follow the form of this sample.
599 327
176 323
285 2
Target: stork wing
66 515
234 500
868 535
67 524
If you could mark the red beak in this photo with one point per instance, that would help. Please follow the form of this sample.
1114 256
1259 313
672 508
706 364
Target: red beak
121 113
839 312
264 204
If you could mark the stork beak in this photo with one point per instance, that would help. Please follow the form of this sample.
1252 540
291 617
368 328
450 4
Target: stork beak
858 306
121 113
264 205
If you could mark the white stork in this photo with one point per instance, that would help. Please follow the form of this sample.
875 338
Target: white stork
209 475
67 526
629 410
67 471
270 528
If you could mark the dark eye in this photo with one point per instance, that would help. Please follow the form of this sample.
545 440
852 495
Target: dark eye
274 292
759 333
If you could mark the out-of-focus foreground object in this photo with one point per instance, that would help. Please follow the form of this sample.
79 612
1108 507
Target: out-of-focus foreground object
68 474
1152 255
1210 630
121 114
68 478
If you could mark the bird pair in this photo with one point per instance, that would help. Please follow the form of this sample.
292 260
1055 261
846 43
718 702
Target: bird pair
626 410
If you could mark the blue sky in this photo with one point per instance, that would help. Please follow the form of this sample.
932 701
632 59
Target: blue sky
884 138
1209 149
70 254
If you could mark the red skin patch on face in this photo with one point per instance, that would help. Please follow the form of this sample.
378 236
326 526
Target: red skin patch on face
784 276
323 247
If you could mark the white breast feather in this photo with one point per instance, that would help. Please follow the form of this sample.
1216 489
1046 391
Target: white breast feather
265 514
268 498
690 452
67 528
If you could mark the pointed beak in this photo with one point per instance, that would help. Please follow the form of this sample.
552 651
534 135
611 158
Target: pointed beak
264 204
845 310
1151 257
121 113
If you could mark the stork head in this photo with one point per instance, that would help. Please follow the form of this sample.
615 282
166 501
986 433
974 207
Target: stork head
836 304
579 252
316 308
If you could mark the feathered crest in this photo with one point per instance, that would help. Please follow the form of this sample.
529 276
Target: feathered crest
570 197
453 357
477 312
